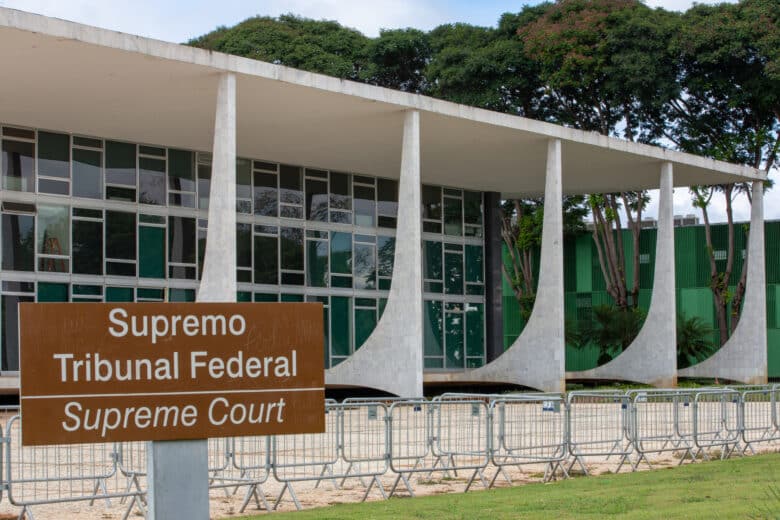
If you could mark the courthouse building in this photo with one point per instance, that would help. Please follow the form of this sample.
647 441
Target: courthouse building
379 204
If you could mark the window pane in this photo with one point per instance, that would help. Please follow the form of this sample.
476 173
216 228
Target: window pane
365 206
54 155
433 339
453 218
265 297
87 181
340 325
475 333
53 237
52 292
244 245
151 181
454 329
290 184
244 185
387 202
431 200
385 253
340 193
87 247
181 295
18 242
151 252
18 166
292 248
10 330
472 207
266 261
204 185
364 267
119 294
266 194
181 170
365 323
432 260
120 235
181 240
453 269
341 253
316 200
317 259
474 264
120 163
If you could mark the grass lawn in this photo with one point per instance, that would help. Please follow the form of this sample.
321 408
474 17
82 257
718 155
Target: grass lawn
740 488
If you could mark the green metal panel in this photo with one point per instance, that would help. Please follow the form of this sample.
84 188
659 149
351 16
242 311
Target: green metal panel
584 252
52 292
773 353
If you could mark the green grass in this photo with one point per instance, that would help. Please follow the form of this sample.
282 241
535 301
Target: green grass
741 488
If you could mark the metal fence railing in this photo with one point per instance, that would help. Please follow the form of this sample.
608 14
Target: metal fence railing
385 444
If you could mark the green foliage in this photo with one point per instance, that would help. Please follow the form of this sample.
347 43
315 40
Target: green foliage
397 59
694 340
612 330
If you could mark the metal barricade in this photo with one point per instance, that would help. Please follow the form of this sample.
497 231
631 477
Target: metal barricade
251 458
661 421
758 417
716 421
36 475
364 443
598 426
528 429
306 457
438 436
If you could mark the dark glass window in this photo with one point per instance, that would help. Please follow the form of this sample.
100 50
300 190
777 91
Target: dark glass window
10 329
120 243
453 216
365 205
86 173
204 180
151 252
244 252
266 260
87 247
181 178
317 200
387 202
290 191
182 247
453 271
244 186
266 194
292 248
341 253
341 328
431 201
365 320
364 266
53 238
317 263
151 181
453 326
340 198
53 161
18 242
120 171
475 334
18 165
433 334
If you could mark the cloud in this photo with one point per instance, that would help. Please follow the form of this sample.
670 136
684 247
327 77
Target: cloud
683 5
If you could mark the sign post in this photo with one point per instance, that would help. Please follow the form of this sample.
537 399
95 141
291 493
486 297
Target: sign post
170 371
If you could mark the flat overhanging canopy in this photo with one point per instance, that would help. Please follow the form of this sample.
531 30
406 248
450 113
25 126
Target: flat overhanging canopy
71 77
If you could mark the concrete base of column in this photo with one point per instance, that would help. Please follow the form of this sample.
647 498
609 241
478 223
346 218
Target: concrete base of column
179 470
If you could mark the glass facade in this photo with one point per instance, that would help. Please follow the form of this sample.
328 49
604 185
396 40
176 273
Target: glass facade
121 222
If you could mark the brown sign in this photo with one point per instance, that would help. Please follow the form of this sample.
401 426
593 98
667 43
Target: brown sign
103 372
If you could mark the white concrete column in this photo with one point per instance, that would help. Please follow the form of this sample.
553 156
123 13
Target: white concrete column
743 357
178 470
537 357
652 357
391 358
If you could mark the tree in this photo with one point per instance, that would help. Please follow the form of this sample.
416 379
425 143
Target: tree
606 68
728 108
521 231
397 59
693 340
317 46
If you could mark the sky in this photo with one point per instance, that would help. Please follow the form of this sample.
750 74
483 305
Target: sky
180 20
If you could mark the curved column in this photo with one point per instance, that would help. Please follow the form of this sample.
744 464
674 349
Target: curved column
652 357
391 358
178 470
743 357
536 358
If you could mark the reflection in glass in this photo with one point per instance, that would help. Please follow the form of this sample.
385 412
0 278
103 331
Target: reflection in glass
86 173
291 240
266 194
18 242
18 165
266 260
151 181
365 206
317 200
290 185
87 247
53 155
53 238
181 240
364 267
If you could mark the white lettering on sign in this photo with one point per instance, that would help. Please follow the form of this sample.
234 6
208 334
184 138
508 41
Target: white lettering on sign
160 326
